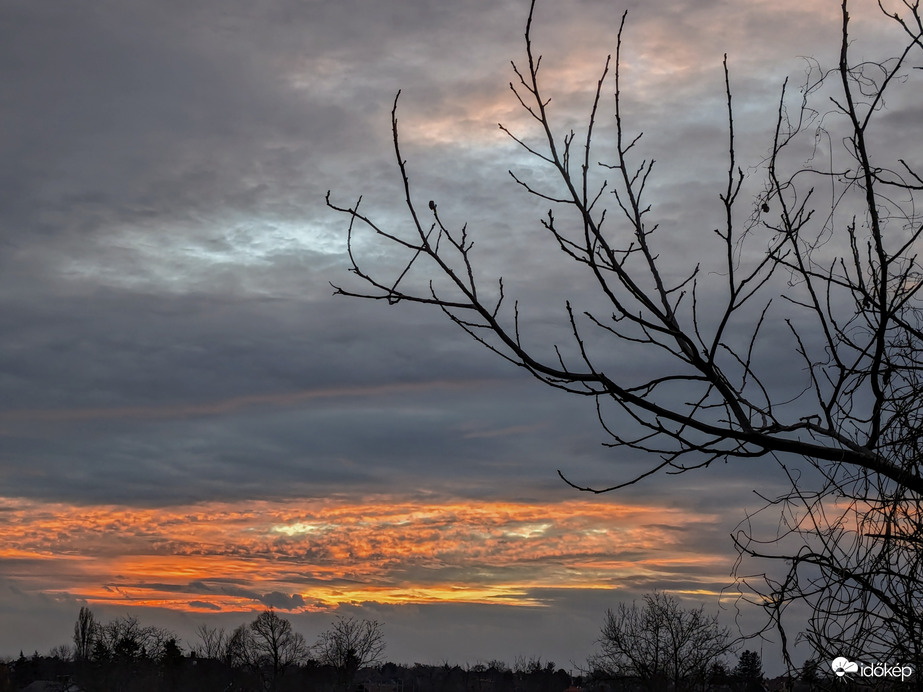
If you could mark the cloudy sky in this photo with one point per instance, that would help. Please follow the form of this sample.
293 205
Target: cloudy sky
192 428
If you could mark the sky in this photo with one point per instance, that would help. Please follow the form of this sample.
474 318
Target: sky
193 428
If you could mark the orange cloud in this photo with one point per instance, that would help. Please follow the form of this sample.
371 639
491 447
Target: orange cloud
316 554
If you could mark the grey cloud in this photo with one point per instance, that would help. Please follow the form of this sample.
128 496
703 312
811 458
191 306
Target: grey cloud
204 604
282 601
275 599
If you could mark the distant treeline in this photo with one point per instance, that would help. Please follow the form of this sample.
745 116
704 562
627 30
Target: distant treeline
188 673
124 656
268 655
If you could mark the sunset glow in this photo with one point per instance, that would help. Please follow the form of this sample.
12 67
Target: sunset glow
319 554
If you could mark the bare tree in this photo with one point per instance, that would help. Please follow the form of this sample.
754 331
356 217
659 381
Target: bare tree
277 643
845 283
267 646
125 640
850 534
240 649
726 409
212 641
350 645
85 631
62 652
661 645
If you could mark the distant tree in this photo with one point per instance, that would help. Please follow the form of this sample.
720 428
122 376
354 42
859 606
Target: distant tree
268 646
661 644
718 673
211 643
750 670
24 671
349 645
171 664
498 665
809 672
62 652
128 648
125 640
240 650
100 652
531 665
85 630
172 654
277 645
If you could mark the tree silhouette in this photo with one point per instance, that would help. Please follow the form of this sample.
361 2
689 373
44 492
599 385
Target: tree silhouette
837 270
267 646
212 641
750 669
661 644
85 630
349 645
277 643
